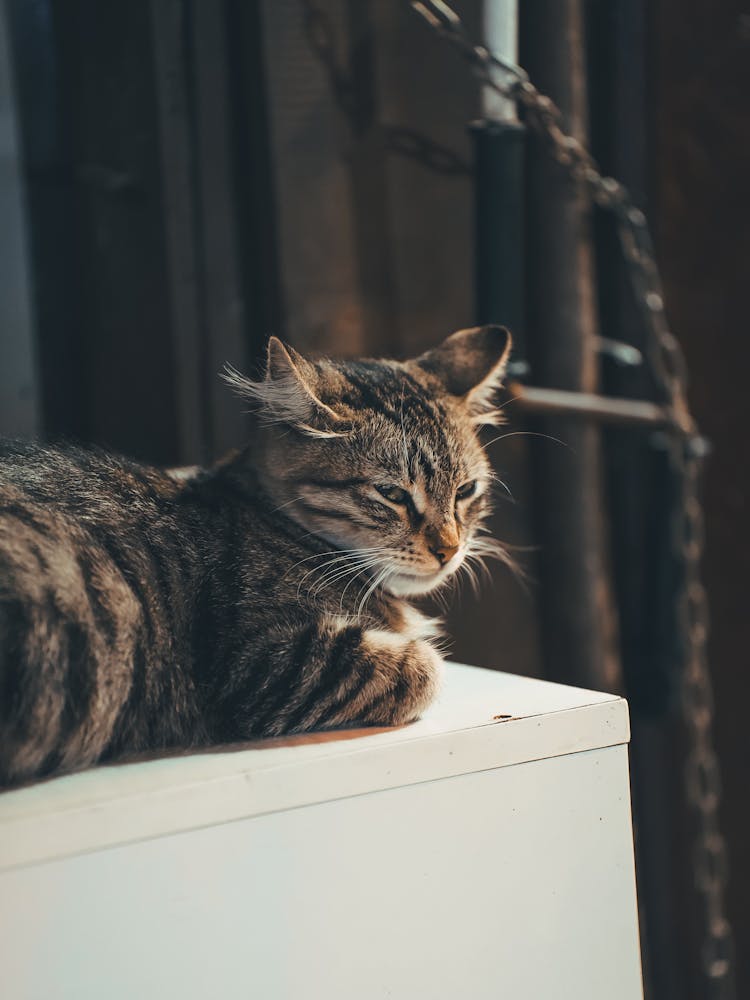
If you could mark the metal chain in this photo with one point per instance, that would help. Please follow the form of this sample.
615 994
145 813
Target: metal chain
686 451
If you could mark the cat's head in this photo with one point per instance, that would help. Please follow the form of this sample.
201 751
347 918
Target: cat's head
382 458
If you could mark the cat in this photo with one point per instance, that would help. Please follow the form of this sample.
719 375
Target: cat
265 596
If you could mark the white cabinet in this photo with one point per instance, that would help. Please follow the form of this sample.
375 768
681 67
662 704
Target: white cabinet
465 856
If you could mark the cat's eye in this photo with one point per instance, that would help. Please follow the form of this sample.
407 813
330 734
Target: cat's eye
466 490
393 493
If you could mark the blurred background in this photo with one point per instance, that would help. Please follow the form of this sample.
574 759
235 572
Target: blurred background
181 178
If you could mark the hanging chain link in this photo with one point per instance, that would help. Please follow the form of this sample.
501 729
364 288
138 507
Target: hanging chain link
686 452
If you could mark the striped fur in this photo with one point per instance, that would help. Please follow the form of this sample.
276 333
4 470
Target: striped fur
140 610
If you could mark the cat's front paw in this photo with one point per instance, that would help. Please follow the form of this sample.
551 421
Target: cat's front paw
407 677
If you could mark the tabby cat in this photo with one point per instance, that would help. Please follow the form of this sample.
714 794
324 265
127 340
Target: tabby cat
264 596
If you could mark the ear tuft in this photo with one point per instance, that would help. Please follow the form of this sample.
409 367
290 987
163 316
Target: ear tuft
287 393
239 384
471 365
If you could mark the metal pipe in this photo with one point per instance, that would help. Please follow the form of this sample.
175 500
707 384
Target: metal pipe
591 406
579 627
499 164
500 30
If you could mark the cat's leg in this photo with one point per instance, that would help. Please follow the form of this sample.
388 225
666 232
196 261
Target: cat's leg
332 672
394 679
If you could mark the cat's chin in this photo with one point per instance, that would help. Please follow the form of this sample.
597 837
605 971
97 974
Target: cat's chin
411 585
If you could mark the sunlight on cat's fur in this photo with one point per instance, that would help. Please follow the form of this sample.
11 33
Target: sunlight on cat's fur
263 596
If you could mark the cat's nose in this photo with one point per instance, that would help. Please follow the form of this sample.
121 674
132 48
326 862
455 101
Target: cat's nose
444 553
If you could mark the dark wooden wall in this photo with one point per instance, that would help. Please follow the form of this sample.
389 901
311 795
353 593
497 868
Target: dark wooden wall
699 125
19 395
91 161
144 153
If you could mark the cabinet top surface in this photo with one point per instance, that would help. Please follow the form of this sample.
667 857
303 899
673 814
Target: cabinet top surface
482 720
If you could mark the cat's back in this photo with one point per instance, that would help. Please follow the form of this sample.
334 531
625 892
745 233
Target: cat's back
89 484
82 521
97 572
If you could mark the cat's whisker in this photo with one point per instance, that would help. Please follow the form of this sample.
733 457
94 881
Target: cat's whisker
457 583
337 577
326 555
343 595
341 574
331 560
440 594
337 567
331 568
319 570
488 548
374 554
287 504
496 480
509 401
332 572
366 589
442 646
348 585
478 558
377 580
471 575
510 434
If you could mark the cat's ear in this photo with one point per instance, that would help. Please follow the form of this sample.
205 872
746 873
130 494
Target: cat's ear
471 365
287 394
